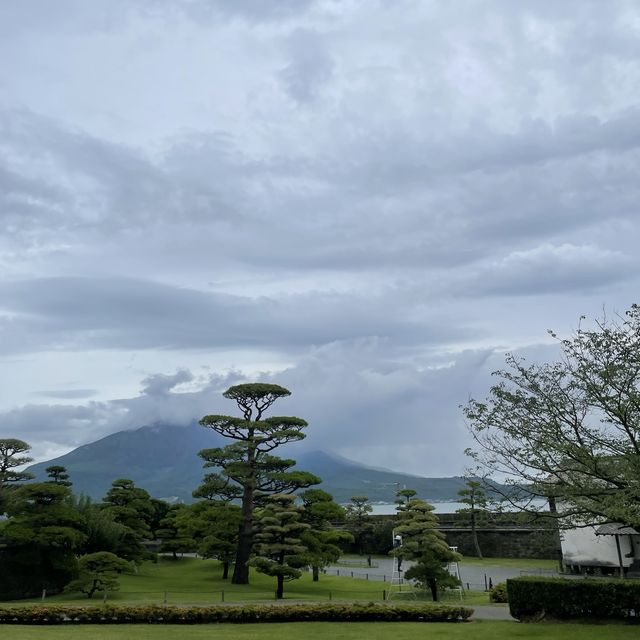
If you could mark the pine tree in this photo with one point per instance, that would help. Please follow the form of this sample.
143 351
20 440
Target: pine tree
474 496
423 543
40 541
278 541
358 521
10 458
131 507
247 464
321 539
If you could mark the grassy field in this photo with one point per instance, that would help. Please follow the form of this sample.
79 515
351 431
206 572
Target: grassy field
516 563
196 581
481 630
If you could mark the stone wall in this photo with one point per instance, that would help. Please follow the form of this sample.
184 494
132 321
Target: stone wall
506 542
506 535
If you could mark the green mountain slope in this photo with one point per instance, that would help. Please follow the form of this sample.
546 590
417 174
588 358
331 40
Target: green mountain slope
163 459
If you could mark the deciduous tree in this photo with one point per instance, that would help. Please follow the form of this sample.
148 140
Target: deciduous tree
570 429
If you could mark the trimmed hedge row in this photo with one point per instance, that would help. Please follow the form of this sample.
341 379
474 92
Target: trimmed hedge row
233 613
533 598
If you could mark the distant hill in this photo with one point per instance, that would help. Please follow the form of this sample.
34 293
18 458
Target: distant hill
163 459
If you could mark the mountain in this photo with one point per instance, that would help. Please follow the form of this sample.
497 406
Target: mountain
163 459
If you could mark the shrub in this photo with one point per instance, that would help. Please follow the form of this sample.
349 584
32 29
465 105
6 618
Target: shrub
498 593
59 614
532 598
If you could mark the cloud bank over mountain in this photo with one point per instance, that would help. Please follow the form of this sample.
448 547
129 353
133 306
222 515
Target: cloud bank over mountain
366 201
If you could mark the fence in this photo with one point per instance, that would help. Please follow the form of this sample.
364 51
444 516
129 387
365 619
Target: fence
231 597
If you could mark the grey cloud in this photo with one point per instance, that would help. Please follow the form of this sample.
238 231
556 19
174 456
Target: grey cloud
551 269
67 394
80 313
310 66
160 384
357 398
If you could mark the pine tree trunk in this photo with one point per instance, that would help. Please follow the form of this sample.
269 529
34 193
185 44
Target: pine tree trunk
225 570
474 533
316 572
280 590
433 585
245 537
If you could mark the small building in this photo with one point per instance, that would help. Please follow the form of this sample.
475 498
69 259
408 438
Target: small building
606 549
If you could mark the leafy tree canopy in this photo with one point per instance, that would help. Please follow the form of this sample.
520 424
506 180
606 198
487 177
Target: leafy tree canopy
569 430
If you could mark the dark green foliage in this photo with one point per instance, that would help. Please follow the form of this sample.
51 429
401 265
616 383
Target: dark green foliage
174 539
58 475
10 458
98 572
532 598
328 612
321 539
40 541
278 547
132 508
102 531
475 497
498 593
359 523
248 464
213 527
425 545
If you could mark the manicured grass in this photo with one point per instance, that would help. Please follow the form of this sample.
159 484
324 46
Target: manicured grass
516 563
196 581
481 630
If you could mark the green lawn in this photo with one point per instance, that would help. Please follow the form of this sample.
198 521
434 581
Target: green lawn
196 581
516 563
482 630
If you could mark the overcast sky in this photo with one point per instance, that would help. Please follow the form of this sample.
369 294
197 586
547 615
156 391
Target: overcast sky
365 201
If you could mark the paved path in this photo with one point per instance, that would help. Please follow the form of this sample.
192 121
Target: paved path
487 612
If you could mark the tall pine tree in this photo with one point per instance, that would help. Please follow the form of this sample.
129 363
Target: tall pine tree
248 464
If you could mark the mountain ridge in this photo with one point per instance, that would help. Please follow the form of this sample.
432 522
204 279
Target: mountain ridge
163 459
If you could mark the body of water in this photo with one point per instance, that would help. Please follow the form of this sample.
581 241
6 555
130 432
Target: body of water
440 507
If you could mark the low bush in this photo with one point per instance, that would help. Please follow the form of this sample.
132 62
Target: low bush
498 593
234 613
533 598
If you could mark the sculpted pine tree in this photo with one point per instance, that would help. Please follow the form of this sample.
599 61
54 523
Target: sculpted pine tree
11 450
321 539
58 475
247 464
476 501
279 548
425 545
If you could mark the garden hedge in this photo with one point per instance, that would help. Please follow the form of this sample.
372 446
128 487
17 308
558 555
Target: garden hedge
60 614
533 598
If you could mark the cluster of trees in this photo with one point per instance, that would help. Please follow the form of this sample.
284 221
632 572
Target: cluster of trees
569 431
51 539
